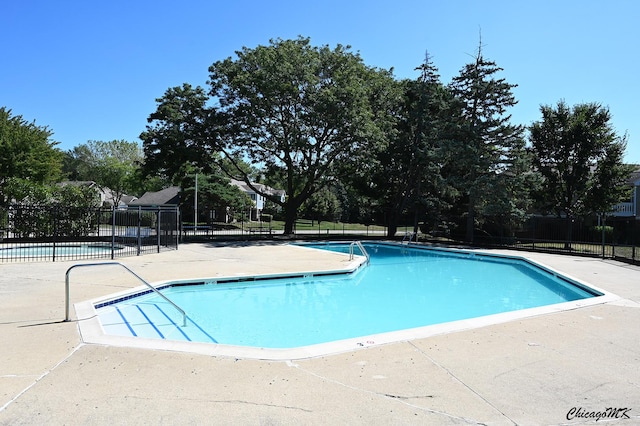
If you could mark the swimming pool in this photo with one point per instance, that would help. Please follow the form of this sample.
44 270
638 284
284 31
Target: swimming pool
404 288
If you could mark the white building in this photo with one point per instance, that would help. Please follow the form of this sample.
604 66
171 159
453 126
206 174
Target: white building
258 199
630 208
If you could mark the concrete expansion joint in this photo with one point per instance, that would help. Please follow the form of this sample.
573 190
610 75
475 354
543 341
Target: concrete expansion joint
457 379
401 399
40 377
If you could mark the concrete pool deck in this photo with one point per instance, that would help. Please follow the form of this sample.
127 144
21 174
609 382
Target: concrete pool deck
547 369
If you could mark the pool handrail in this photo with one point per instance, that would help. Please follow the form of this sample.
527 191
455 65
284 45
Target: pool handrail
155 290
362 250
409 236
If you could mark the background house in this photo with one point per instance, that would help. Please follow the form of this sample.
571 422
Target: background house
166 197
257 199
630 208
107 195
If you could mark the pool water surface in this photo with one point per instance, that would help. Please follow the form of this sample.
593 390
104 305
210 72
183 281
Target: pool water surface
402 288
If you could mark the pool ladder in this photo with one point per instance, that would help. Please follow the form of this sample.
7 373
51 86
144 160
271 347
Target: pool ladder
362 250
155 290
409 236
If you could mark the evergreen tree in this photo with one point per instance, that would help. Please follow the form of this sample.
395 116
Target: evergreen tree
407 181
488 146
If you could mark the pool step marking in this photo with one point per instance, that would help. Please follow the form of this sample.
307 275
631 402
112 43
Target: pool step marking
125 321
150 322
172 322
138 321
203 332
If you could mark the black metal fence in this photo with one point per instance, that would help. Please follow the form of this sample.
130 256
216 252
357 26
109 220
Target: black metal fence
613 237
53 233
616 238
255 230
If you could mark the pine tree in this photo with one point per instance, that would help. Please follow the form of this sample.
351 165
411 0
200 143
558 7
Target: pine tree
488 145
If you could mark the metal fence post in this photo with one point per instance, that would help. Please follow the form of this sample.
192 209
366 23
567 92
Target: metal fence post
55 231
158 218
633 238
113 232
602 226
139 229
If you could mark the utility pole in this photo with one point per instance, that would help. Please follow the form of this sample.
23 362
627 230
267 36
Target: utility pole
195 208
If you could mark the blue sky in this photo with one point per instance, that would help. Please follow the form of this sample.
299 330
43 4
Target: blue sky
92 70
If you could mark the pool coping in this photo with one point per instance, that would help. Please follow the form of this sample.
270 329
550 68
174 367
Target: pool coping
91 330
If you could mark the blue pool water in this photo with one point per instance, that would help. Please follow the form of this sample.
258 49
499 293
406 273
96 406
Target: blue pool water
401 288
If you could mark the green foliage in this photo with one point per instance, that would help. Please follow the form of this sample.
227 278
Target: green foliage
298 111
596 233
405 175
26 152
579 156
215 193
323 205
488 149
46 210
177 133
112 165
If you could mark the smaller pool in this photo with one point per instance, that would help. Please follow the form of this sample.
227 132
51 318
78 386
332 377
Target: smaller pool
59 250
402 289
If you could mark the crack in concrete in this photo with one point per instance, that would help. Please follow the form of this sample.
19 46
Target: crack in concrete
449 372
401 399
231 401
407 397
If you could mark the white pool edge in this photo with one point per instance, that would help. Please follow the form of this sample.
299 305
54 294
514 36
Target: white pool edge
92 332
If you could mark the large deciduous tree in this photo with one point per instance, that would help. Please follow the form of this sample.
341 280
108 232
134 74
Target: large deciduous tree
176 134
488 147
579 156
26 152
297 111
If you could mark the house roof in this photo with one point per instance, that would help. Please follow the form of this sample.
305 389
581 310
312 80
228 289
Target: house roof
634 177
263 188
88 183
128 199
167 196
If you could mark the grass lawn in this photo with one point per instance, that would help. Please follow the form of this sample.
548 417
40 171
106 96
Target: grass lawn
308 225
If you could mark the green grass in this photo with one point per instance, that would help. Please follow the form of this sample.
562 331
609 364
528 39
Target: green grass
305 225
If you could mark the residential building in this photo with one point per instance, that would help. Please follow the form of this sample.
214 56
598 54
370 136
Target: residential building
258 199
630 208
166 197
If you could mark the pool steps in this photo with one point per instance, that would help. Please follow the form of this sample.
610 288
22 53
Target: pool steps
151 288
149 320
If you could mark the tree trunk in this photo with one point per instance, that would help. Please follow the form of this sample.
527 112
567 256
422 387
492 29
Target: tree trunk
416 221
290 216
392 224
567 243
470 221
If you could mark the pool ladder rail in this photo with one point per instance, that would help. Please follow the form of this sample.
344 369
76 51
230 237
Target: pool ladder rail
362 250
409 236
155 290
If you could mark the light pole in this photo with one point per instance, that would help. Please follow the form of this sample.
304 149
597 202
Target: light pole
195 208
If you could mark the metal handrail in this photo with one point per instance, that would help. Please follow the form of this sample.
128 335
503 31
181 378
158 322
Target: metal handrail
362 250
184 314
410 235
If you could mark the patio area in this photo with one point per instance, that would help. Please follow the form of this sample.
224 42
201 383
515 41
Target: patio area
560 368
